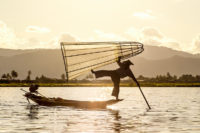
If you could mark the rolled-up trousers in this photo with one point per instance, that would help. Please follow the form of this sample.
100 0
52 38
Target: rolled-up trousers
114 77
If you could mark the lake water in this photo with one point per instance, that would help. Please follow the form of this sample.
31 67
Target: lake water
173 110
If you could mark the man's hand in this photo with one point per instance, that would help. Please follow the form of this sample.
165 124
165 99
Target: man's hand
119 59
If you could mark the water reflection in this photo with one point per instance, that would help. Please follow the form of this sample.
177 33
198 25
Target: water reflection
116 124
33 111
93 121
170 113
79 119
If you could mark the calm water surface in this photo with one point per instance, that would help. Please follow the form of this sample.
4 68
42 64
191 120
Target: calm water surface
173 110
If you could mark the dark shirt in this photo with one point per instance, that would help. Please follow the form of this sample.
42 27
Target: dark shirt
124 69
33 88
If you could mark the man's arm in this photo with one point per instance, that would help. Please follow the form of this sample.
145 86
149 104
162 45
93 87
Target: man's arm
119 61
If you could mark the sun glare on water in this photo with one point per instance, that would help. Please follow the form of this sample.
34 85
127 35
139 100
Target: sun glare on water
102 95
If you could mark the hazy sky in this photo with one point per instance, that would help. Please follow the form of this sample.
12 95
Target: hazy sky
44 23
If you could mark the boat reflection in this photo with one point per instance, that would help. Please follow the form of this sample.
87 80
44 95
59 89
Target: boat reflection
84 120
116 124
92 121
33 111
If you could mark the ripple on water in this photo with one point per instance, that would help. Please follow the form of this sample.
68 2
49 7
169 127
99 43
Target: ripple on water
169 113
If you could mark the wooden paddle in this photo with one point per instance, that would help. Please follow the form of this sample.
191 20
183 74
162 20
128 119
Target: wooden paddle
144 97
36 92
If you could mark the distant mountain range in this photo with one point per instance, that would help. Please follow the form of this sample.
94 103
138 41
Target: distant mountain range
49 62
157 53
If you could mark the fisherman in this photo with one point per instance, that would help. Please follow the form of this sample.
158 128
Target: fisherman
122 72
34 88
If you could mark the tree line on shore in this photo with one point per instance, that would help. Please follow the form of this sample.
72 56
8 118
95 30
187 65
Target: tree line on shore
166 78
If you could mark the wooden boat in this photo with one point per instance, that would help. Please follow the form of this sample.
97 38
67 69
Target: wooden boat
44 101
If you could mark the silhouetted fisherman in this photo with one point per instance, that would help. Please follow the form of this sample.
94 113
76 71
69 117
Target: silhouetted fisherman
122 72
34 88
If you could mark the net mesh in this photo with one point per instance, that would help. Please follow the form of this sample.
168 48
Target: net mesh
81 57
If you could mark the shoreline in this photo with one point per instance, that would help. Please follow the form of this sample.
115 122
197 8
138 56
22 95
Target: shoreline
101 84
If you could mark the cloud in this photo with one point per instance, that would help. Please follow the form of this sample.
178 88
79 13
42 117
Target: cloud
9 39
103 36
133 34
37 29
152 32
51 44
147 36
144 15
67 37
152 36
33 42
196 44
7 36
63 37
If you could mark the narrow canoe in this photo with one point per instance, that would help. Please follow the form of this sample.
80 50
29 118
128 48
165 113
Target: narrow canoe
44 101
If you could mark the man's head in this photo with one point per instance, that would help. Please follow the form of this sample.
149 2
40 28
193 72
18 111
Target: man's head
128 62
36 85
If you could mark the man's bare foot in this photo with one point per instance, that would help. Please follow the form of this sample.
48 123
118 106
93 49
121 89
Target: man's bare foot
117 98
